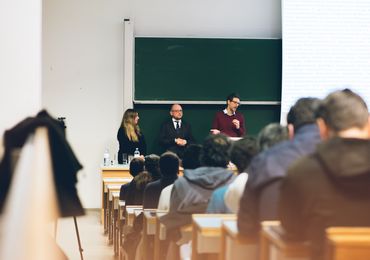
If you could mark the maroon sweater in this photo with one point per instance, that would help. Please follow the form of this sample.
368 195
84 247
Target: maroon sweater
223 122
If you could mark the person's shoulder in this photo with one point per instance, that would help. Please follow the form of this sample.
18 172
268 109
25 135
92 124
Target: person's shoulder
152 185
167 121
274 152
219 113
185 123
304 167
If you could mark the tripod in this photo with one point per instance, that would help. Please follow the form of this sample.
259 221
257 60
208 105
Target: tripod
77 234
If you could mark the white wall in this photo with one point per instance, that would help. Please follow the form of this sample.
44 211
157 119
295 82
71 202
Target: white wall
206 18
83 60
20 61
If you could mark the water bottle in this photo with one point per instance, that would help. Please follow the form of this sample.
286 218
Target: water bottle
136 153
106 158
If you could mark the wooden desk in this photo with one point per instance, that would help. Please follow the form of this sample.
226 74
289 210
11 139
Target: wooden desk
117 171
149 224
273 245
109 210
121 222
115 226
206 235
130 213
234 246
159 236
106 179
344 243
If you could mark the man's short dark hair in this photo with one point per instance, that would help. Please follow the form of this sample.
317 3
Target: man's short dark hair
303 112
152 166
215 151
191 158
136 166
270 135
232 96
242 152
169 164
342 110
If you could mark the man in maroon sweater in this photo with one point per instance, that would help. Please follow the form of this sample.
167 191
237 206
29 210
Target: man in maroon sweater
228 121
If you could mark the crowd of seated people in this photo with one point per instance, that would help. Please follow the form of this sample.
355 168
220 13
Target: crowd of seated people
312 174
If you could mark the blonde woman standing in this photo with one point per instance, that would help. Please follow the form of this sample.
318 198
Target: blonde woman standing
129 135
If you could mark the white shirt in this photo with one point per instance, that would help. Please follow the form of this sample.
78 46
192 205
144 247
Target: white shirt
235 191
225 112
174 122
164 198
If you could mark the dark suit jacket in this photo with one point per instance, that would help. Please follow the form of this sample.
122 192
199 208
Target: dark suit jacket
168 134
153 191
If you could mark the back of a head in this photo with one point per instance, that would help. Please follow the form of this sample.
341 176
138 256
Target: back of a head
270 135
152 165
142 179
169 164
215 151
136 166
303 112
342 110
242 152
191 158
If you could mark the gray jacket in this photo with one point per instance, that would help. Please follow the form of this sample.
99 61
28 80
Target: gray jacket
191 194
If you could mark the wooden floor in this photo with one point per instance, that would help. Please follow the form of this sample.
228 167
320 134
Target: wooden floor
94 242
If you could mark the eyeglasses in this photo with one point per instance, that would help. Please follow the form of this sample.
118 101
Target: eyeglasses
179 110
236 102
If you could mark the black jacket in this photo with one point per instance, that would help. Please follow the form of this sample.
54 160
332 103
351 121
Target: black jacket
153 191
327 188
168 133
260 197
127 146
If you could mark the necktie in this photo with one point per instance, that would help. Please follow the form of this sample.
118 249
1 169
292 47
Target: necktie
177 125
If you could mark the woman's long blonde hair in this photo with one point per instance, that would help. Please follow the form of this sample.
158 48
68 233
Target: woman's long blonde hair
128 124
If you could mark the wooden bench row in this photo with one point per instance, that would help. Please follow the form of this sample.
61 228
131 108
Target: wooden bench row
215 236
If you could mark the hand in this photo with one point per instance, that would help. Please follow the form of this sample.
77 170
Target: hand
215 131
236 123
180 142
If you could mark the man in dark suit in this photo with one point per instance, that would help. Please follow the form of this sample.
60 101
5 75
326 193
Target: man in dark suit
175 133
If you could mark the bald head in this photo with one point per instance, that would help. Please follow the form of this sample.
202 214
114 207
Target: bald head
176 111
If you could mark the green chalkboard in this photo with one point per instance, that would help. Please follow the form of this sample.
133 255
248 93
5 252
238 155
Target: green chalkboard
197 69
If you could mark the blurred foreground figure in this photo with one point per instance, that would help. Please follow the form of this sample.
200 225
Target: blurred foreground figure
38 176
30 205
331 186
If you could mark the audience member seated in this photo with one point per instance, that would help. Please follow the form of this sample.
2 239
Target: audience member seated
266 171
136 188
241 155
169 166
331 186
152 166
191 193
242 152
136 167
191 160
270 135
